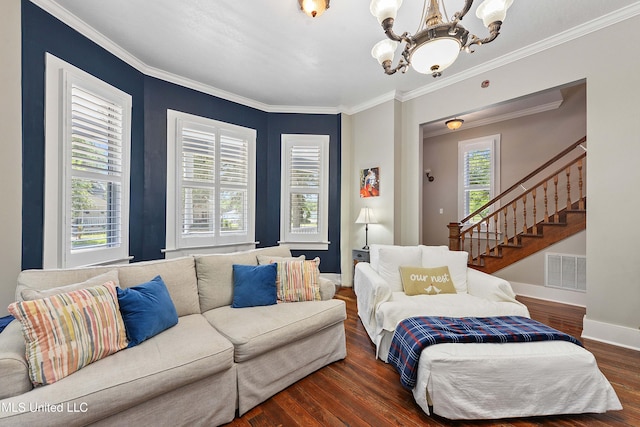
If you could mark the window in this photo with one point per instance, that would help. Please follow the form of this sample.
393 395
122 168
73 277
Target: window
87 139
304 196
478 175
210 183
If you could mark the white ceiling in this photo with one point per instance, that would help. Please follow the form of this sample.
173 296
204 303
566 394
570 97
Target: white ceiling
270 55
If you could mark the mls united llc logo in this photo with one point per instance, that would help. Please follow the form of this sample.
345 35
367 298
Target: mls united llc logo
19 407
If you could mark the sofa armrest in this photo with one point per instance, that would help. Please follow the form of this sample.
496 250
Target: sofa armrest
327 289
14 370
371 290
489 287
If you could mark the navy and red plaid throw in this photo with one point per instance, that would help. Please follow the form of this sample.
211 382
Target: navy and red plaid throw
412 335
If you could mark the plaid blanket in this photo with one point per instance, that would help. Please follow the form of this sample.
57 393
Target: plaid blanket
412 335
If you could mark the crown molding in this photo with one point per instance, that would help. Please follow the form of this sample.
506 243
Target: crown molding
502 117
386 97
548 43
77 24
109 45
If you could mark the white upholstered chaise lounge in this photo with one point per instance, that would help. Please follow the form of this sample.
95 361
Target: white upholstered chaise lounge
476 381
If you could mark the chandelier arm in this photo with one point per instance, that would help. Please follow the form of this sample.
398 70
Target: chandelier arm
387 26
402 66
459 15
494 31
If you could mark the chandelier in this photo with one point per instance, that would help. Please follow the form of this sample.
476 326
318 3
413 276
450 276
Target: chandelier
437 43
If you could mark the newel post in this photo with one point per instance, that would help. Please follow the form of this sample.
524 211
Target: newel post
454 236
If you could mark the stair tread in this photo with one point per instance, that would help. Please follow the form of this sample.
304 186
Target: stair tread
510 245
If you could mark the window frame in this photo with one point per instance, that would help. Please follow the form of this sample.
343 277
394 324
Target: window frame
175 240
57 249
311 241
491 142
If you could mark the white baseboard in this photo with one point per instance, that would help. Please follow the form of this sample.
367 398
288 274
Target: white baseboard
621 336
550 294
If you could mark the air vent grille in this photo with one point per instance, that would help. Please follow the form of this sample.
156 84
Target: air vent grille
566 272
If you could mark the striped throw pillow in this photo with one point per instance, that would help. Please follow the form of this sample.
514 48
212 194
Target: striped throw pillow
298 281
66 332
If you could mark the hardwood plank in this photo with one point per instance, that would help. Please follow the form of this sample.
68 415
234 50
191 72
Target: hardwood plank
363 391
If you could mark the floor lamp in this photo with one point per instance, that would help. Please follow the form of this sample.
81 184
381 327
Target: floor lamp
366 217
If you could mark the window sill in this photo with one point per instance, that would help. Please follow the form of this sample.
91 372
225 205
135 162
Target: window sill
313 246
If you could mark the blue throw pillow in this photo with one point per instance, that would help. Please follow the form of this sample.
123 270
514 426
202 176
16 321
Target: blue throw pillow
147 310
4 321
254 285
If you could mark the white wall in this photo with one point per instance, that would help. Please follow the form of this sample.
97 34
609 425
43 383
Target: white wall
11 158
372 143
611 66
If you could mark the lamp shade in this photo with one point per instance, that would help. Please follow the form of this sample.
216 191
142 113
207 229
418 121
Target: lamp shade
493 10
383 9
384 50
366 217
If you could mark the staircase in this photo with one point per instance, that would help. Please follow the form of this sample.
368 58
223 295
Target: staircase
543 208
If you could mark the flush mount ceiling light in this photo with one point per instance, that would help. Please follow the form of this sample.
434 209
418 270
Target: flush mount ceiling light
438 41
314 8
454 124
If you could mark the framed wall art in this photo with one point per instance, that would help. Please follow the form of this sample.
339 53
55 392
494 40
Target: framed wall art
370 182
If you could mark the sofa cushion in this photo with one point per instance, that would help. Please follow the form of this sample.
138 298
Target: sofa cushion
215 274
29 294
14 370
179 275
257 330
437 256
391 258
267 259
182 355
147 310
254 285
66 332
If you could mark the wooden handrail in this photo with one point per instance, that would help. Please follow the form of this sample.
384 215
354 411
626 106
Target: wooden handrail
526 178
539 184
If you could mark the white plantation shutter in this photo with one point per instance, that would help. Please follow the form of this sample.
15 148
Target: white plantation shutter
93 198
234 178
210 201
304 209
198 180
304 180
478 174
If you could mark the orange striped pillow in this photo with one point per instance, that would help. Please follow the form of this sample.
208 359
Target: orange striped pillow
298 281
68 331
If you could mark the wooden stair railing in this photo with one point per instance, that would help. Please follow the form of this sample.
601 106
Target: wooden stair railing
523 225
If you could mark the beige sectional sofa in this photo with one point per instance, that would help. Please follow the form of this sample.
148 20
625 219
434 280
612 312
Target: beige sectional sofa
216 362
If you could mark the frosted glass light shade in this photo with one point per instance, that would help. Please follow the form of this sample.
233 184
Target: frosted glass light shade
439 53
383 9
314 8
384 50
493 10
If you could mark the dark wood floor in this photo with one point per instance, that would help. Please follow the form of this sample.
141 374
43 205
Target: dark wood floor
363 391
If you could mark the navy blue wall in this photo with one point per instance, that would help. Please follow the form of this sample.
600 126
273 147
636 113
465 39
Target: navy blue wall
42 33
151 98
318 124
